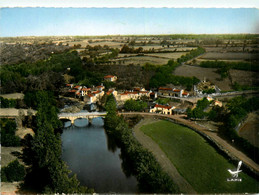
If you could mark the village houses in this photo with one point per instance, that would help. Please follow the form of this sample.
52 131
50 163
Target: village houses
172 92
94 94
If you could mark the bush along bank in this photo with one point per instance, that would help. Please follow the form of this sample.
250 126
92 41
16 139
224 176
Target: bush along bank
141 163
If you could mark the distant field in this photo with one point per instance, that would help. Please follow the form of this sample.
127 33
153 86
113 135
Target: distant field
229 56
109 43
178 49
153 58
173 55
201 73
141 60
230 49
250 130
197 161
124 55
147 47
72 43
199 60
244 77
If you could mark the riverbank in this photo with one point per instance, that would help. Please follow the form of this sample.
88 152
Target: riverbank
195 159
161 157
223 145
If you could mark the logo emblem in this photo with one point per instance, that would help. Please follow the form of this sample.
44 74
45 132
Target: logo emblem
235 173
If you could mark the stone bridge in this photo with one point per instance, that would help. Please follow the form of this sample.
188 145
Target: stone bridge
87 115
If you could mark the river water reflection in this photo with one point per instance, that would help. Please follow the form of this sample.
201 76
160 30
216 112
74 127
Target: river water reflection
86 152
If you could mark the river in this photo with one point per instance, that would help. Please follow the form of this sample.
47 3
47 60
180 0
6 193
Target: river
94 157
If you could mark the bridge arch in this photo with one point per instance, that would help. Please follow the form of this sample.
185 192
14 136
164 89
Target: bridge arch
84 115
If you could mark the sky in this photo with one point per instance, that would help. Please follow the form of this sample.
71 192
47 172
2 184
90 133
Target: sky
126 21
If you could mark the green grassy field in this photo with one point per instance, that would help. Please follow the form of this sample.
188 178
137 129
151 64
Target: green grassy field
197 161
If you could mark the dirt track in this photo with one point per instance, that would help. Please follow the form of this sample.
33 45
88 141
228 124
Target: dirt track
161 157
227 147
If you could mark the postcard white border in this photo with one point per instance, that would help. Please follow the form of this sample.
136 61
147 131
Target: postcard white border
132 3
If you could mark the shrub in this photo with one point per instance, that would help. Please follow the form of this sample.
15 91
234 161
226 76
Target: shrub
13 172
7 103
8 137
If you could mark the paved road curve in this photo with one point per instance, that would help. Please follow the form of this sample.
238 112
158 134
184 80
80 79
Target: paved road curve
213 135
13 112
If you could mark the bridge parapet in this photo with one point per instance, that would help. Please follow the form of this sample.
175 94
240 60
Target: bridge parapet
87 115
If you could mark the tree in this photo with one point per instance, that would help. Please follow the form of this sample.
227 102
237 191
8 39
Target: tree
133 105
8 137
13 172
110 105
42 153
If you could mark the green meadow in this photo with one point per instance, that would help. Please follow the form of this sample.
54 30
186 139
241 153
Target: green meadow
197 161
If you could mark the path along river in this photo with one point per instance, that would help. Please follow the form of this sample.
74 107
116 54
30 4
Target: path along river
94 157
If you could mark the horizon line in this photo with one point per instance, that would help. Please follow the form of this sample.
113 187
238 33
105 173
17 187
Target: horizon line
129 35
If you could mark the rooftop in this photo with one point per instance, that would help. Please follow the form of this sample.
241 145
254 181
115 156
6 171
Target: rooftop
162 106
108 76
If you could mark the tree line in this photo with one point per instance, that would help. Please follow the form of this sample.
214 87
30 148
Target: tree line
164 75
42 153
47 74
151 178
192 54
248 66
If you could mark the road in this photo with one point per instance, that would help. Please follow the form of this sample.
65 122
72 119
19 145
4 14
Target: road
13 112
213 136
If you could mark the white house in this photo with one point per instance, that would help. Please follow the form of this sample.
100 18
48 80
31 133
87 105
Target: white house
172 92
162 109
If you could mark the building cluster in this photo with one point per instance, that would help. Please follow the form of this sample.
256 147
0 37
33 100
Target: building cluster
203 86
89 95
94 94
172 92
214 102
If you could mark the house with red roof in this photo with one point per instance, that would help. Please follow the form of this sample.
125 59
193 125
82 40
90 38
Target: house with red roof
162 109
100 88
85 91
78 87
69 85
110 78
90 98
112 91
217 103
